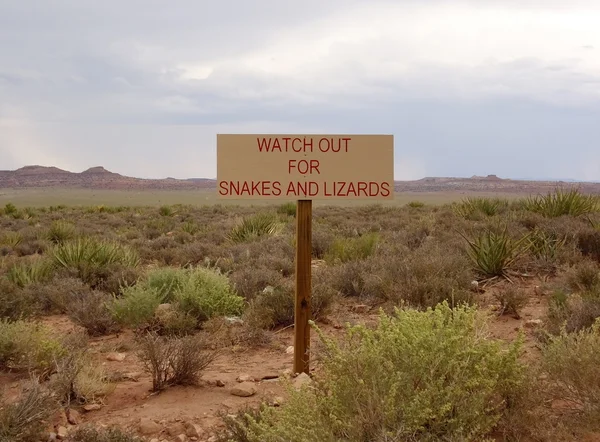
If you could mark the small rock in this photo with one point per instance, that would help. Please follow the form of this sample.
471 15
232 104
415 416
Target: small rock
116 357
73 417
148 427
290 350
278 401
61 432
212 439
154 440
361 308
234 320
245 389
301 380
269 376
134 376
533 323
475 285
269 290
191 431
181 438
52 437
220 383
245 378
176 429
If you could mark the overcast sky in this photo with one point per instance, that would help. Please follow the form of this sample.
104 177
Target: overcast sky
142 87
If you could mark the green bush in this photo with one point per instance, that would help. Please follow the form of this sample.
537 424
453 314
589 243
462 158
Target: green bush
416 204
351 249
256 226
136 306
426 376
206 293
26 345
562 202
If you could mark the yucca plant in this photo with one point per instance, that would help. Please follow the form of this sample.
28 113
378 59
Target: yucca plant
60 231
25 273
12 239
544 245
563 202
255 226
493 253
487 206
87 251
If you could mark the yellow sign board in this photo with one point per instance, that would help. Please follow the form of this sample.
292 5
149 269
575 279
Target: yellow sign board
294 167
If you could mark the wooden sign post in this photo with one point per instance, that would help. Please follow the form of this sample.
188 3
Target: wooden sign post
305 168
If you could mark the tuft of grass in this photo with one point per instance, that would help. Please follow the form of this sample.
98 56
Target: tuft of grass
352 249
288 209
562 202
112 434
416 204
511 300
494 253
166 211
256 226
12 239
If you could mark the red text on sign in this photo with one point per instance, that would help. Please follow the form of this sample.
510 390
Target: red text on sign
250 188
304 166
285 145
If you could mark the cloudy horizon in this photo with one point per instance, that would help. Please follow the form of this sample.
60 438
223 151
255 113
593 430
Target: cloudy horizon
142 88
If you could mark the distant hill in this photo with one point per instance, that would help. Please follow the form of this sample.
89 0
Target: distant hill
99 178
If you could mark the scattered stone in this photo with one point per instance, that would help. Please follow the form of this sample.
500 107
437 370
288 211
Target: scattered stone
245 389
116 357
220 383
212 439
533 323
245 378
290 350
176 429
301 380
361 308
234 320
52 437
148 427
134 376
269 376
61 432
191 430
475 285
181 438
73 416
278 401
154 440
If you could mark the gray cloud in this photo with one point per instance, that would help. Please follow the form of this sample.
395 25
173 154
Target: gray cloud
143 87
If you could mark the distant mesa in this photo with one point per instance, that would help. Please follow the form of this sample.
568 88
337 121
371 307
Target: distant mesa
489 178
39 170
96 170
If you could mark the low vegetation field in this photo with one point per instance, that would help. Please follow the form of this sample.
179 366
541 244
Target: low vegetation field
474 319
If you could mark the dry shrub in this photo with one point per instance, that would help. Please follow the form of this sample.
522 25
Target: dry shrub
352 249
25 419
573 312
583 276
235 332
16 303
113 434
91 312
58 294
511 299
249 282
571 362
78 378
174 361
